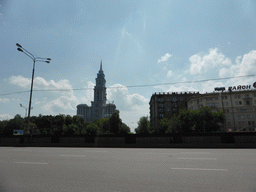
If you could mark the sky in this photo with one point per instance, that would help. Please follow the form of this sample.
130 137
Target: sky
145 46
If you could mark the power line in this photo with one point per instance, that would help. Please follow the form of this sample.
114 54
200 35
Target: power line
130 86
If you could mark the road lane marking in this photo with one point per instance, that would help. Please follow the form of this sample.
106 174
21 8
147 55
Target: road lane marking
32 163
196 152
73 155
198 158
199 169
96 151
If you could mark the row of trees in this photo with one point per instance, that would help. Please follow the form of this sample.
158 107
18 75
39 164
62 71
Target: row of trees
65 125
203 120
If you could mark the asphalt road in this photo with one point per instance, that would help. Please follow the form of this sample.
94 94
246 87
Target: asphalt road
122 169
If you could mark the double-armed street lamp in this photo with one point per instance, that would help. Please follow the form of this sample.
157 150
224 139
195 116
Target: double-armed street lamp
35 59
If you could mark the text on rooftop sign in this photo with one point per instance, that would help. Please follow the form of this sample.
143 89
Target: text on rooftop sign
239 87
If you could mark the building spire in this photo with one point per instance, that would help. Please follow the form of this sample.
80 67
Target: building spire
101 65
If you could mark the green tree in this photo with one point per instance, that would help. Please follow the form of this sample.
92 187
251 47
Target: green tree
164 125
143 126
68 120
103 125
202 120
124 129
174 125
186 119
114 123
3 125
17 123
92 129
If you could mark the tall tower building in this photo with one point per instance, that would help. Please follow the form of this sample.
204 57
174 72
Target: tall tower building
99 109
100 95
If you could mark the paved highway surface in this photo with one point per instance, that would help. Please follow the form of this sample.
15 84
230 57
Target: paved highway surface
122 169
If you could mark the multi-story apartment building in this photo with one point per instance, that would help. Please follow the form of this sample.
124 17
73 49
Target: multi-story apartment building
239 107
167 105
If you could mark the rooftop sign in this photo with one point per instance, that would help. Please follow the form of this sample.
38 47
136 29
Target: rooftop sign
239 87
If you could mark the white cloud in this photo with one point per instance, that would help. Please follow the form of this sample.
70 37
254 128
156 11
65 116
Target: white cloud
4 100
5 116
245 65
40 83
60 103
181 88
66 101
209 86
88 94
164 58
203 63
131 106
169 73
20 81
125 101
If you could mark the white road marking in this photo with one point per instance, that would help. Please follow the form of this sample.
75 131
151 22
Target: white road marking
199 158
200 169
73 155
32 163
195 152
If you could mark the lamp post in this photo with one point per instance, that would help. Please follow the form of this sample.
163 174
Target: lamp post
230 91
25 109
35 59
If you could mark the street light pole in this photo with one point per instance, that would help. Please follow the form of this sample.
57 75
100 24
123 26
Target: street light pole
24 108
39 59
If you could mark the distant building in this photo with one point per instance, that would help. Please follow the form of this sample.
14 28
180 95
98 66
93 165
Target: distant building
239 107
99 108
167 105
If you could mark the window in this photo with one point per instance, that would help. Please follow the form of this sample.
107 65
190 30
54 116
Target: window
246 96
248 102
226 103
217 104
216 98
242 116
239 96
240 102
236 102
208 98
238 116
254 95
235 96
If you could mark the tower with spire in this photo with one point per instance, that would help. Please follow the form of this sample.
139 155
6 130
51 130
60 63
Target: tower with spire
99 108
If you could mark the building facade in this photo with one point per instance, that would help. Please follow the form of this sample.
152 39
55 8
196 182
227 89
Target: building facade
239 107
99 108
167 105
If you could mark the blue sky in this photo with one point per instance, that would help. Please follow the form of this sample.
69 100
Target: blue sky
139 42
